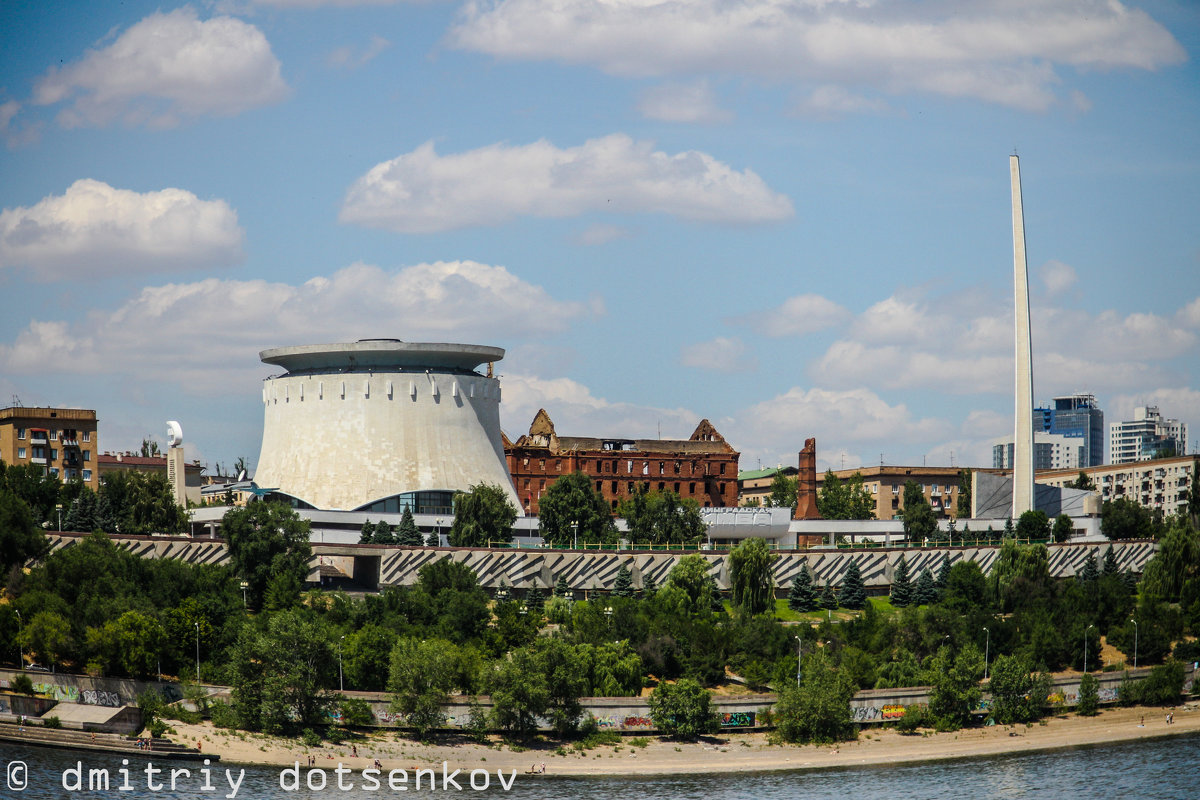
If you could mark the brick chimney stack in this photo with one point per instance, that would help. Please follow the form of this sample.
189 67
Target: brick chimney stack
806 482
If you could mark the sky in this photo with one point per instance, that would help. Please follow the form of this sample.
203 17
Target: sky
790 217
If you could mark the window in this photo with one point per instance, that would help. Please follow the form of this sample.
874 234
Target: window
54 472
614 487
54 434
676 488
53 454
691 488
87 436
21 452
87 475
20 433
87 455
722 467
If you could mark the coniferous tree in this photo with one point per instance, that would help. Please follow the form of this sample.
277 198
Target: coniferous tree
1110 562
623 584
407 533
383 534
902 588
1130 581
535 601
828 599
561 587
1008 528
943 575
926 590
81 516
366 532
1089 573
966 533
803 595
649 586
853 594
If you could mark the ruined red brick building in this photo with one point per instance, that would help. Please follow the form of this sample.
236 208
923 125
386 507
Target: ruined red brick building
703 467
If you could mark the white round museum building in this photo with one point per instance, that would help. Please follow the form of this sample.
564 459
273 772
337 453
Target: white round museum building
380 425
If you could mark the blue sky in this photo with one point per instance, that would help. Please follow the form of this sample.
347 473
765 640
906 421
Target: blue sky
791 218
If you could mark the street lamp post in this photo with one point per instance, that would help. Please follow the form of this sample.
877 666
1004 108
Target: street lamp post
20 647
244 586
58 508
197 652
341 683
987 645
574 535
1085 631
1135 641
799 658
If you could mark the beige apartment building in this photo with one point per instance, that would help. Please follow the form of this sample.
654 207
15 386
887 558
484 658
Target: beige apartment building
61 441
886 485
1161 484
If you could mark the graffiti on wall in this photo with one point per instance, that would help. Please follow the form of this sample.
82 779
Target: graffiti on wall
93 697
637 722
737 719
887 713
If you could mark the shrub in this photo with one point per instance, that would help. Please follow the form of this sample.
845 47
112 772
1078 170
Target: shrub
1187 651
310 738
639 741
683 709
915 716
336 735
51 722
157 728
22 685
1163 685
223 715
356 713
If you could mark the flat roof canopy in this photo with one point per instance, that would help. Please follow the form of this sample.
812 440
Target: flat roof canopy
381 354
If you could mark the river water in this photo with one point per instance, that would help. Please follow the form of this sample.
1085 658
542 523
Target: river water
1166 769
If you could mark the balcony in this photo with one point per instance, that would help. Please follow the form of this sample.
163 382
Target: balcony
37 460
39 438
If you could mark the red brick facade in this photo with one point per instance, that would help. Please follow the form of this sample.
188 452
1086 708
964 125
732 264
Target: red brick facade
703 467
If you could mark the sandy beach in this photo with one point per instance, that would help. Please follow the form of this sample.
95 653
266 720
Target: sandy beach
732 752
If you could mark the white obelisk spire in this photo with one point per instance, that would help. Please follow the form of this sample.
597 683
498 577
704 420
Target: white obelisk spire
1023 442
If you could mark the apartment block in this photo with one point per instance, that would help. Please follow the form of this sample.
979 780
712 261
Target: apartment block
61 441
1146 436
1160 484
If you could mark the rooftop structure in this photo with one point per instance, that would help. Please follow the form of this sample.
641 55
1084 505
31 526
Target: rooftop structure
1147 436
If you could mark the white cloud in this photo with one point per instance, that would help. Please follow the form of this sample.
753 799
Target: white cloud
722 354
1057 277
8 110
1003 53
797 316
166 68
963 344
683 102
828 102
1190 314
204 335
354 57
577 412
93 231
422 192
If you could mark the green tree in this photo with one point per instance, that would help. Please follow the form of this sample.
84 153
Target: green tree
140 503
1126 519
803 595
853 594
520 693
366 532
482 515
132 645
849 500
783 492
819 709
1089 695
366 657
35 487
281 677
902 588
1063 528
81 514
383 534
1110 563
47 635
919 520
963 509
954 690
1089 572
623 583
1018 695
1084 481
20 538
573 500
266 540
1033 525
420 679
1177 561
828 599
407 533
662 518
750 576
691 576
682 709
925 590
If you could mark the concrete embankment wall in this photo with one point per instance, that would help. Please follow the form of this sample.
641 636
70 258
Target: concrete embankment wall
386 565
